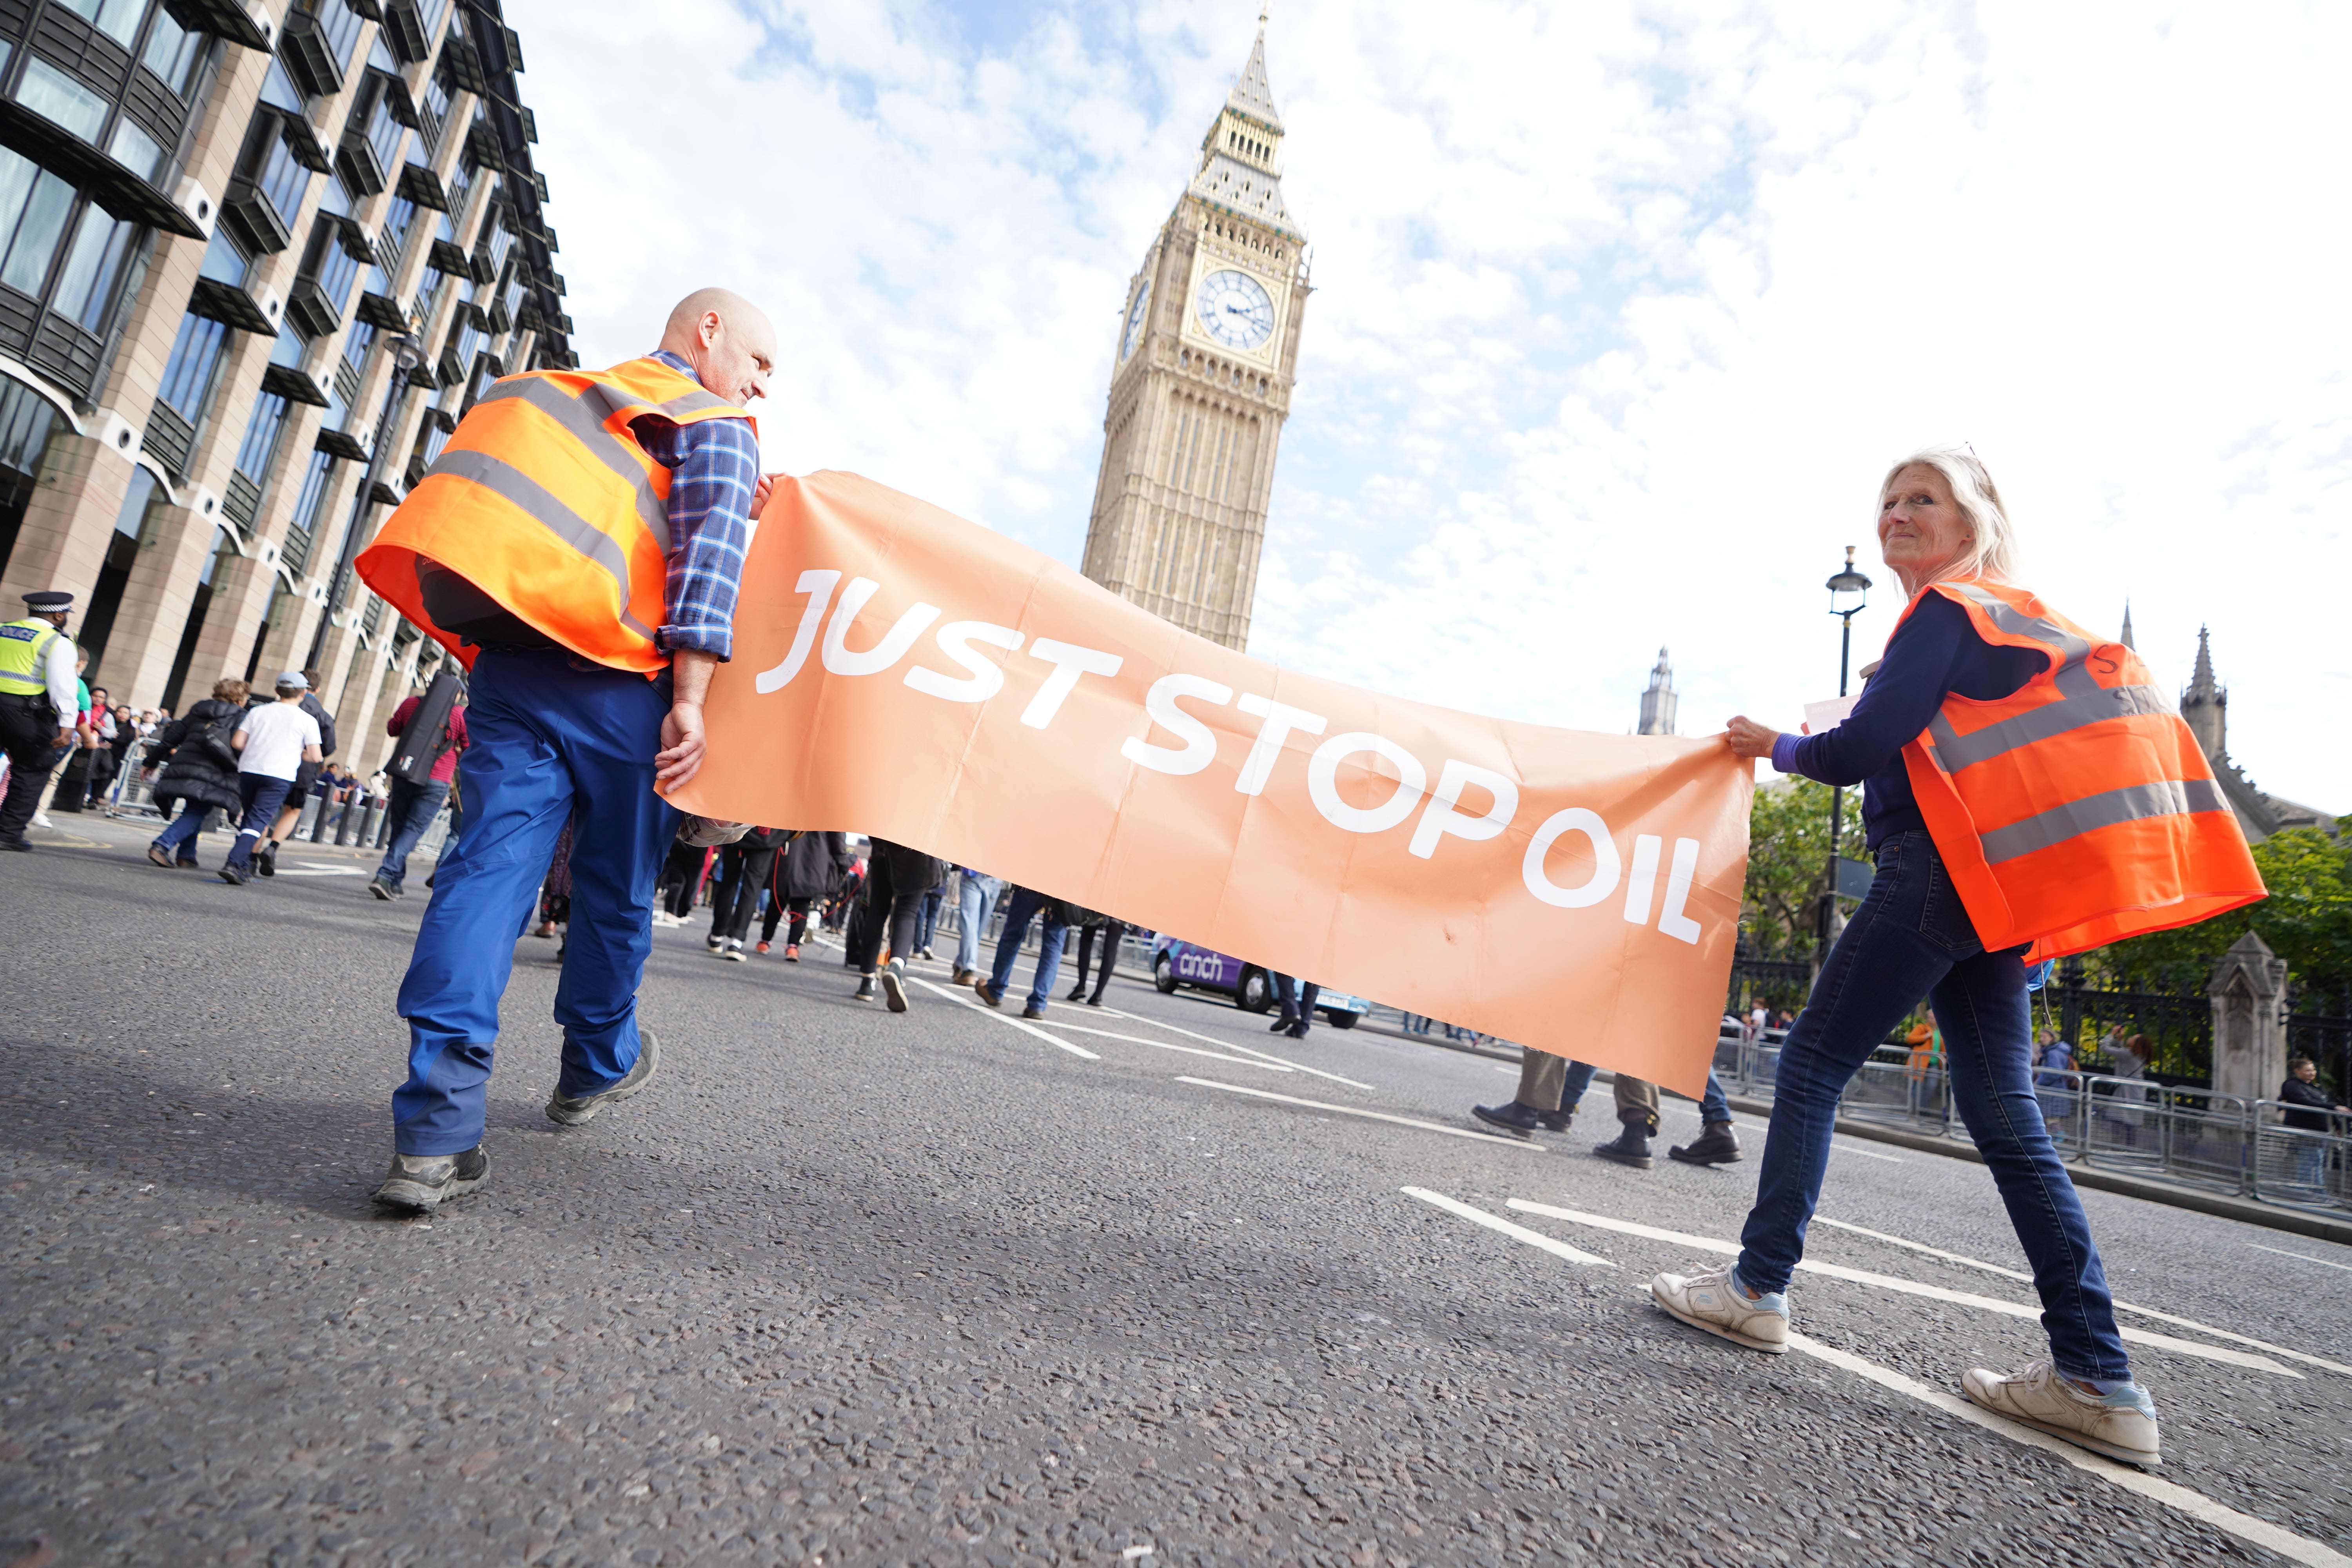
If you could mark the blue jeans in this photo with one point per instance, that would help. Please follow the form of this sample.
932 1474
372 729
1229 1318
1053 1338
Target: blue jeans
263 797
412 809
928 920
975 896
1017 914
180 834
1912 937
548 738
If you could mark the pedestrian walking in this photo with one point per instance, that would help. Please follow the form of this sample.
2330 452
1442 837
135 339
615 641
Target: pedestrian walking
291 814
927 921
745 865
654 464
808 871
1108 933
39 706
1989 849
272 742
896 877
1295 1005
413 806
975 901
199 772
2055 1079
1027 904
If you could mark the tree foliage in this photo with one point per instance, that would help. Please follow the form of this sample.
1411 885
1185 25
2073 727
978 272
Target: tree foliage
1788 846
2306 920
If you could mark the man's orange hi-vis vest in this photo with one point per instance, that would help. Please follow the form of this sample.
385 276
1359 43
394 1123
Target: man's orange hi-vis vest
2079 810
544 501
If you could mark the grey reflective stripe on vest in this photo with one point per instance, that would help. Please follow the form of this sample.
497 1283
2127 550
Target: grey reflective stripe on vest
2165 797
2082 700
34 681
584 424
2086 703
493 474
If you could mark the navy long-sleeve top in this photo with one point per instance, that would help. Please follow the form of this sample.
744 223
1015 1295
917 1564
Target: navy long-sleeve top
1933 654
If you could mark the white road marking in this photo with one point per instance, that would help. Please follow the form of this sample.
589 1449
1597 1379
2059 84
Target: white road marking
315 869
2197 1505
2120 1306
1228 1045
1907 1287
1371 1115
1171 1046
1021 1024
1558 1248
2307 1258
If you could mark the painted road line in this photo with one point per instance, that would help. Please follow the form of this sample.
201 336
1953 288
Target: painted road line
1908 1288
1023 1025
2307 1258
1171 1046
2195 1505
2177 1322
1228 1045
2261 1533
1369 1115
1552 1244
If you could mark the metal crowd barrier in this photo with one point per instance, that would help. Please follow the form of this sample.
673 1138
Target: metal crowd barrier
2175 1132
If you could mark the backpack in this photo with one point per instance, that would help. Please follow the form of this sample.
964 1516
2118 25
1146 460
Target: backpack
214 743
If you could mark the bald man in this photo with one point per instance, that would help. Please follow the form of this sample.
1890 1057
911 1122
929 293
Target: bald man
563 724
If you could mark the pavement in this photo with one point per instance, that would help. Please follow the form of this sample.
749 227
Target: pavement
1141 1284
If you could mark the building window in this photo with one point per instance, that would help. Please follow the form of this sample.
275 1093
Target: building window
315 482
118 20
34 204
188 373
86 287
260 443
59 98
176 56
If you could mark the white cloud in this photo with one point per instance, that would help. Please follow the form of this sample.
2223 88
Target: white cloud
1620 309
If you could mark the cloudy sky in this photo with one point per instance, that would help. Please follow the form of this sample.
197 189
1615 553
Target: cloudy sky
1621 309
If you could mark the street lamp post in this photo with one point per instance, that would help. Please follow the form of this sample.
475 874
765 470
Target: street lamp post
1847 585
406 353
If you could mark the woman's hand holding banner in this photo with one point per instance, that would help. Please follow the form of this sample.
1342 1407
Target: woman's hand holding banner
903 672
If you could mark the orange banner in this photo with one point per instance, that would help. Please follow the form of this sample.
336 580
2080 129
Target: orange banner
902 672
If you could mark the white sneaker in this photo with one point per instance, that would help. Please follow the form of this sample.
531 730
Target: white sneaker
41 819
664 918
715 944
2121 1425
733 950
1714 1301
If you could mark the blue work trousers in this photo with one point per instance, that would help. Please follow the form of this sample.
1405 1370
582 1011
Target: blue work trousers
975 896
412 807
1018 911
1296 998
1910 938
552 740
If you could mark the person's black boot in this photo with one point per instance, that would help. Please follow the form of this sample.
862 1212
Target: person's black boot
1525 1121
267 861
1559 1121
1632 1147
1077 995
865 992
1281 1026
1718 1144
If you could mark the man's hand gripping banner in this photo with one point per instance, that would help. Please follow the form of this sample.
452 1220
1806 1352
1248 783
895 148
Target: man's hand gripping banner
902 672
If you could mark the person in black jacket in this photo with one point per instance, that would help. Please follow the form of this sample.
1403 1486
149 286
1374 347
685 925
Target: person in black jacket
266 862
200 772
2311 1109
743 867
896 877
808 871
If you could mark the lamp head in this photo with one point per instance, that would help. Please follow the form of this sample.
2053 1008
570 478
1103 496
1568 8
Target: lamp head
408 353
1849 590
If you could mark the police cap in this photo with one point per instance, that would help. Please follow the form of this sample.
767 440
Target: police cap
49 601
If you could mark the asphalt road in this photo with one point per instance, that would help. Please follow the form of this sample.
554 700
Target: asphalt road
845 1286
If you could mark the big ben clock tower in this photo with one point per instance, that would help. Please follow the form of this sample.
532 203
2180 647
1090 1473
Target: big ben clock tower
1206 352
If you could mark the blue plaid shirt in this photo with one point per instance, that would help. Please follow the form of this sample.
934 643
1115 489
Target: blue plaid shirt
714 469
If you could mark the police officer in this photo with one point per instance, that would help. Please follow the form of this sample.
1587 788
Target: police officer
38 707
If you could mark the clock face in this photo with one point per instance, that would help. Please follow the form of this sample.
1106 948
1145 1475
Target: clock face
1136 313
1234 309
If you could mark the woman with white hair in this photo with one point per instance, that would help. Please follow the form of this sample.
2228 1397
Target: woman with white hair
2028 794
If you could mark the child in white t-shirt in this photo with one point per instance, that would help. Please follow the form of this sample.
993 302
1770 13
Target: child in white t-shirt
272 742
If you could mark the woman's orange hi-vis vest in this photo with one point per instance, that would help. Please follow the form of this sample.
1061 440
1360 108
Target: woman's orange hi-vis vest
2079 810
544 501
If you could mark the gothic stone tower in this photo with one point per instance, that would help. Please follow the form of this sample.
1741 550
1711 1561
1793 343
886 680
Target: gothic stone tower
1658 702
1203 370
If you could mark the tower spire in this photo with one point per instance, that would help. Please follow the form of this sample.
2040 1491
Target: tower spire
2127 631
1659 701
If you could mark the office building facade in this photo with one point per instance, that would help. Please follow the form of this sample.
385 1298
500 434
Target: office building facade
239 240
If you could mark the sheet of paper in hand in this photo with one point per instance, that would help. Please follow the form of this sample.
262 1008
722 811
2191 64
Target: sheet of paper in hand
1829 715
902 672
